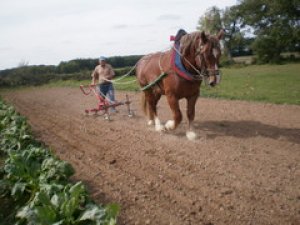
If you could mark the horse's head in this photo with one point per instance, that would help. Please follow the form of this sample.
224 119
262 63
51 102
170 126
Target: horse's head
205 51
209 53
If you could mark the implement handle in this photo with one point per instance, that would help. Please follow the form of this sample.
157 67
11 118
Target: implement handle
90 87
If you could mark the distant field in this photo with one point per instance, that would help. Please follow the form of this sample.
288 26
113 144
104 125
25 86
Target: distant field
278 84
249 59
269 83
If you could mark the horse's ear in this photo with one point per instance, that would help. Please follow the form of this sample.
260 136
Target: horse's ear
203 37
221 34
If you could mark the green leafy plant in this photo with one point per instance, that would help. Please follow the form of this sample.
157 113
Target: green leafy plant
23 170
70 206
34 184
55 170
15 133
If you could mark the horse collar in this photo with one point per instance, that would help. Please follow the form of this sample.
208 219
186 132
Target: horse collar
178 67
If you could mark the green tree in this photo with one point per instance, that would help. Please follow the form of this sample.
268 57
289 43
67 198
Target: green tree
211 21
233 36
276 24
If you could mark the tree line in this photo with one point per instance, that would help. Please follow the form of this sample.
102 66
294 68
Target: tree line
77 69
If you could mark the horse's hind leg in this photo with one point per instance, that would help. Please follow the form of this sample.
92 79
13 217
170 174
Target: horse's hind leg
152 100
191 102
177 116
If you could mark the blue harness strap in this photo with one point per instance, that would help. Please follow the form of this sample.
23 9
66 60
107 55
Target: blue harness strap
178 65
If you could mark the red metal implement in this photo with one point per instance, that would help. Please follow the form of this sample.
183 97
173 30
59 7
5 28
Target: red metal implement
103 103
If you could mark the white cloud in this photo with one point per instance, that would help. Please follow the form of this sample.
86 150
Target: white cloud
169 17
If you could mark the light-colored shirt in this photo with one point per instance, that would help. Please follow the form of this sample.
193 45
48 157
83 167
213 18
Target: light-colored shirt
103 73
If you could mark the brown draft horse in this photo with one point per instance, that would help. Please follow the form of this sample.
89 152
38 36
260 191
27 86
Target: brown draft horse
199 52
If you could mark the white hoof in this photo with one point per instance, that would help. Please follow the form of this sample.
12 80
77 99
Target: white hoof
170 125
150 122
159 127
191 135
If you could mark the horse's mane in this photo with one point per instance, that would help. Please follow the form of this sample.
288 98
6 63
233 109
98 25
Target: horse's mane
187 41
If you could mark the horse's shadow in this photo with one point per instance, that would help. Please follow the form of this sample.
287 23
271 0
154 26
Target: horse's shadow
246 129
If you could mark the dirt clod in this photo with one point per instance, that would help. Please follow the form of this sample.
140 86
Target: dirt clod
112 161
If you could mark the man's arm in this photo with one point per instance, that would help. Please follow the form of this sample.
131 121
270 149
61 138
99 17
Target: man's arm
94 77
111 73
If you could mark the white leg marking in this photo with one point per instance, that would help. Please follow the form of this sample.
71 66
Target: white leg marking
150 122
170 125
191 135
158 126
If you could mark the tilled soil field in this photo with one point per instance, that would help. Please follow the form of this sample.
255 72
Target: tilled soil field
244 168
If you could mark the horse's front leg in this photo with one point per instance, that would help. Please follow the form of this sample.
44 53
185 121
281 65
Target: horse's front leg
191 102
177 116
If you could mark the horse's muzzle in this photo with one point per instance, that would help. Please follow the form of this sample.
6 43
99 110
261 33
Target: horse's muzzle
213 77
216 78
212 83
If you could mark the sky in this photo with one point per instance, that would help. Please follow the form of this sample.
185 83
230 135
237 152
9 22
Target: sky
37 32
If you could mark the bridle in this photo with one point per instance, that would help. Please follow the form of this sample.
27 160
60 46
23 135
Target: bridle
201 73
205 71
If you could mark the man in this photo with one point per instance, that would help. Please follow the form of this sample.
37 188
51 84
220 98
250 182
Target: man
103 73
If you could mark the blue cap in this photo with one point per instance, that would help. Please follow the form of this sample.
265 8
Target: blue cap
102 58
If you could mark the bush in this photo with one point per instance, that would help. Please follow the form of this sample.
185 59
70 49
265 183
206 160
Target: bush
225 61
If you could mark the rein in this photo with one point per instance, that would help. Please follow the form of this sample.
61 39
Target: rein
161 76
116 81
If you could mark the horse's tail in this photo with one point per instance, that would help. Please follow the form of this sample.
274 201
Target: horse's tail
144 104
